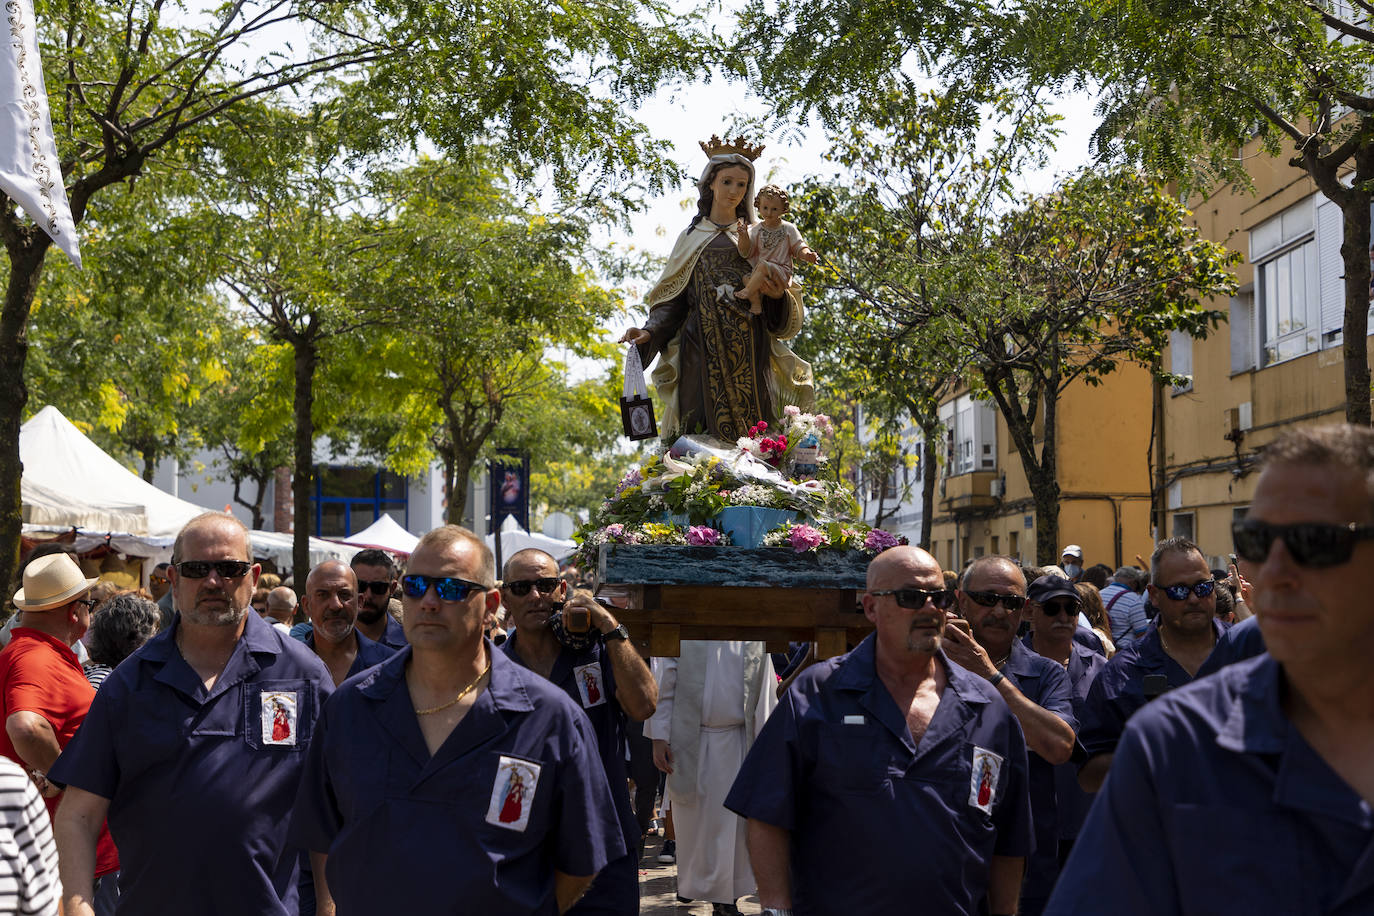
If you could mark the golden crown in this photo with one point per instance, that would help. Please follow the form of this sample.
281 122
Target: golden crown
739 146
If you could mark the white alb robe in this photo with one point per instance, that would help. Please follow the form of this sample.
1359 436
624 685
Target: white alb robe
712 861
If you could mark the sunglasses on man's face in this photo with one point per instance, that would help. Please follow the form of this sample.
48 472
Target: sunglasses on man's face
521 587
990 599
913 599
448 589
227 569
1059 606
381 587
158 580
1315 546
1180 592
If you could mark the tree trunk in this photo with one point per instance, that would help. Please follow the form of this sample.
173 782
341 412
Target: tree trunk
463 461
27 248
303 483
928 472
1355 343
1354 203
1045 494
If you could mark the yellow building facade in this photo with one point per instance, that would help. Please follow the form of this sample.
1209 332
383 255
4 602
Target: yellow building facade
983 503
1274 365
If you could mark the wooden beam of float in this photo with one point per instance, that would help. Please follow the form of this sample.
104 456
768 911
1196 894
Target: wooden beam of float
775 595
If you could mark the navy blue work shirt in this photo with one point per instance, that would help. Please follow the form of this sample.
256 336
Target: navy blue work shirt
514 793
1242 641
1216 804
1119 689
1045 683
1084 636
588 679
877 821
394 635
369 653
201 783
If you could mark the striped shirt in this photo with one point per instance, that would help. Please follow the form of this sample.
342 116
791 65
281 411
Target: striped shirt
28 855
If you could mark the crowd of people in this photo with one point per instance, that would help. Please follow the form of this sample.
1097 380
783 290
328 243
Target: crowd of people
1010 739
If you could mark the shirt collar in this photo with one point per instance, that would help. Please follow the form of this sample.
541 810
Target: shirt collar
1022 660
507 687
1253 722
859 670
56 644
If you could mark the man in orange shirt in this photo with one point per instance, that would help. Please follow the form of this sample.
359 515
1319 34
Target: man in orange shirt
44 694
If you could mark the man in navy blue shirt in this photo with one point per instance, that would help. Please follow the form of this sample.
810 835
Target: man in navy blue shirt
1250 791
991 598
331 602
194 748
889 778
1168 656
448 778
604 676
376 583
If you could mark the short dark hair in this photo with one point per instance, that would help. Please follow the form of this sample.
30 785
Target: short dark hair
1170 545
120 625
373 557
1339 444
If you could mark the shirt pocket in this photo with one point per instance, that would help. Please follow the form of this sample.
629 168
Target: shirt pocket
1217 851
849 758
278 716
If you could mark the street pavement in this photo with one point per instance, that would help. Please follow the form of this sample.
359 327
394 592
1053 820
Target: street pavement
658 889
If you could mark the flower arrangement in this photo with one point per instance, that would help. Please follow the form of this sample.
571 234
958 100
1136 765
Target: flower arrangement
795 446
805 538
675 497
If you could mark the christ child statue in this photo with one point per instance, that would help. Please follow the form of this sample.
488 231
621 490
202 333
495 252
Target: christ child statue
770 245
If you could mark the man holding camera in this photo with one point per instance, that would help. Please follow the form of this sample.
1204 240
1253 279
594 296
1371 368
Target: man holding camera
577 644
1166 657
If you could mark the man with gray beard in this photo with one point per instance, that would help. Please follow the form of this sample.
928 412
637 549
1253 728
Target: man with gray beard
194 747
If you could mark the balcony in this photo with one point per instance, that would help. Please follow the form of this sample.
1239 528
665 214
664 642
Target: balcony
964 492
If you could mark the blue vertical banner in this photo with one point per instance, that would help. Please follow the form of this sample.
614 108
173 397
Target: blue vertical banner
510 488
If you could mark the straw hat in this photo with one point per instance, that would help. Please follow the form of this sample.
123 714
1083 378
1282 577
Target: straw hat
50 582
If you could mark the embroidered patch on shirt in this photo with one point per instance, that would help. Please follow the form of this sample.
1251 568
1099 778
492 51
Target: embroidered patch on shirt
512 793
987 770
589 685
279 717
853 720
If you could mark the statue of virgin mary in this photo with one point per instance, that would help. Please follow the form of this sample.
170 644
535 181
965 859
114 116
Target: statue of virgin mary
720 369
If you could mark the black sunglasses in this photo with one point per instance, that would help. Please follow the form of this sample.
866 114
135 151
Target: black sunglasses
448 588
376 588
1180 592
1312 545
227 569
157 580
916 598
1057 606
521 587
990 599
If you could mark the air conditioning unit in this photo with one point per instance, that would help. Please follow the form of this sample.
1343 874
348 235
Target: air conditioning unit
998 488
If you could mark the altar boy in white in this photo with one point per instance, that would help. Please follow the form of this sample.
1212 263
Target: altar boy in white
712 701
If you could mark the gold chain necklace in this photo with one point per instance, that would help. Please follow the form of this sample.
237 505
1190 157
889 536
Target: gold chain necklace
462 693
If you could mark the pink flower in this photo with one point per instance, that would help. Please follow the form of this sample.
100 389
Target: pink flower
702 536
791 410
879 540
804 538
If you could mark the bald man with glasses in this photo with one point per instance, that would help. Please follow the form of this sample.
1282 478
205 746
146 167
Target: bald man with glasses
194 747
889 779
1250 790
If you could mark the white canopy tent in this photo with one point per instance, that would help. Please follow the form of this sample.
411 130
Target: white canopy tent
514 538
70 482
385 534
